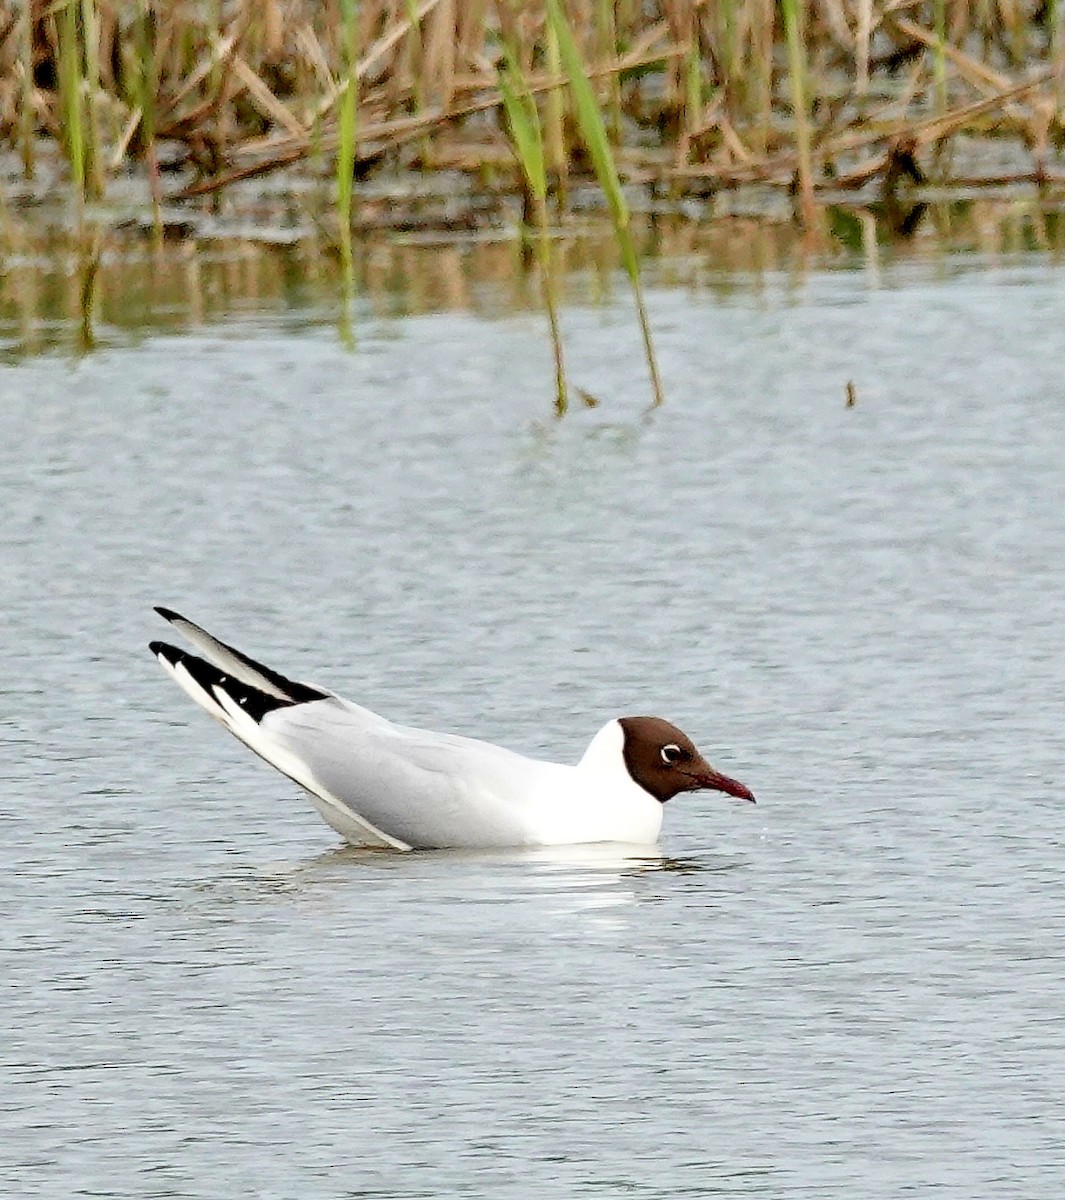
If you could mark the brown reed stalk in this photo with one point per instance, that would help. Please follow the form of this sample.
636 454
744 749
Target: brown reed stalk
557 153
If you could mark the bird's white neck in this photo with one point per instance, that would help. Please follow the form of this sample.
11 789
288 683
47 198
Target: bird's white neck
610 792
605 758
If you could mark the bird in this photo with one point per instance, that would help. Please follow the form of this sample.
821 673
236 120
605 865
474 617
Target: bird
388 786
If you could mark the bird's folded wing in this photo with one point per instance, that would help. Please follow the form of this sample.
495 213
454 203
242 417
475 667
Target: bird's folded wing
421 788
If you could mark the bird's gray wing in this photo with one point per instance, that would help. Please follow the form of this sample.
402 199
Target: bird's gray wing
424 789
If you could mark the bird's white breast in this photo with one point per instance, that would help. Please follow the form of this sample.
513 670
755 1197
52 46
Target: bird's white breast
601 801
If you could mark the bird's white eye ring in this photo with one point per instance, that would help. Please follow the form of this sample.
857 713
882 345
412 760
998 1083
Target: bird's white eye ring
671 754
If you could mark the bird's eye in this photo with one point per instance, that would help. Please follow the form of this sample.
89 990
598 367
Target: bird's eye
672 754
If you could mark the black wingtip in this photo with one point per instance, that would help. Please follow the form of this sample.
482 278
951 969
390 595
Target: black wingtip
168 614
164 651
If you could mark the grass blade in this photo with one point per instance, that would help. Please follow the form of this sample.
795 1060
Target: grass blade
524 124
593 134
70 90
793 33
586 110
347 129
526 133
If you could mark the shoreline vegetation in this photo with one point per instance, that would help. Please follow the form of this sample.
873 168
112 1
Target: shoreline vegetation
695 97
366 115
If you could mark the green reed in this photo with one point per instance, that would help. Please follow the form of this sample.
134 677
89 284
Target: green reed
795 36
693 88
91 89
527 141
346 135
593 134
70 95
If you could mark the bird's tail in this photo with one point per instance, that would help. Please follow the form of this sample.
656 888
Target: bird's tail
239 666
239 692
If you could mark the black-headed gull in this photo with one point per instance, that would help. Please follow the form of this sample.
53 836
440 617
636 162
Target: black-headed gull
386 785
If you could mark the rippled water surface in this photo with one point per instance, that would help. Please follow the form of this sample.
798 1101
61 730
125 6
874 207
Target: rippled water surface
854 989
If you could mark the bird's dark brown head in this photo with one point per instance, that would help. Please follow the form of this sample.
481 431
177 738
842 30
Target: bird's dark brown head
665 762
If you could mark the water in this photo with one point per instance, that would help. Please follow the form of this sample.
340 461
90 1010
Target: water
854 989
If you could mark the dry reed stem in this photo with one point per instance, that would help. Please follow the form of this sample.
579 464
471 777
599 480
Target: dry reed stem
391 134
781 167
264 99
253 86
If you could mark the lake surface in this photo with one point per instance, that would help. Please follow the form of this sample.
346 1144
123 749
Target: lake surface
854 989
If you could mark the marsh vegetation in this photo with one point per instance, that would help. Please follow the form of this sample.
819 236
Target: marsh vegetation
353 117
817 94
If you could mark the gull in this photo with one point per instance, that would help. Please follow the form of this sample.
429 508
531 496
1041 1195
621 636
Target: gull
385 785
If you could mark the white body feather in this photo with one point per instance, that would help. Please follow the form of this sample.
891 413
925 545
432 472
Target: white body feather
433 790
381 784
